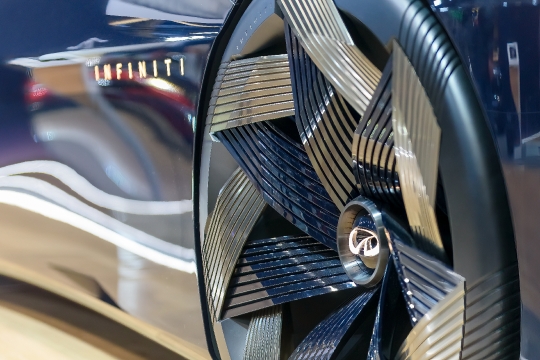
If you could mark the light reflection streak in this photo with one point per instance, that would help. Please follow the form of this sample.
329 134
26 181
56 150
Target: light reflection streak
184 38
96 196
164 85
55 195
61 214
206 12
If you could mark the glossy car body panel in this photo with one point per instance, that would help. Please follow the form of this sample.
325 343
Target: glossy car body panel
98 104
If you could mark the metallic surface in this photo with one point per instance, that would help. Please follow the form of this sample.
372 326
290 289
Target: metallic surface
323 35
362 213
37 324
264 335
492 305
282 172
482 33
251 90
325 123
387 317
481 222
424 280
212 162
322 342
417 137
238 208
132 140
156 290
441 75
279 270
364 243
491 313
439 333
373 154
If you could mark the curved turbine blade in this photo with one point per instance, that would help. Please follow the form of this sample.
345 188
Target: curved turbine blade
334 331
251 90
279 270
238 207
416 141
263 340
280 168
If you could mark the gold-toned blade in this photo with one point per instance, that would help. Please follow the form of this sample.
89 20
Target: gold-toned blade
439 333
416 143
323 35
251 90
238 207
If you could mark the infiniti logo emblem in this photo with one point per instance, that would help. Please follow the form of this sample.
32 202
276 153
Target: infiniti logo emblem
362 247
363 242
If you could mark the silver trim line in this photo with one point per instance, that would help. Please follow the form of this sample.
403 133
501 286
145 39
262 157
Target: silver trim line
93 194
264 335
237 209
323 35
438 335
251 90
416 142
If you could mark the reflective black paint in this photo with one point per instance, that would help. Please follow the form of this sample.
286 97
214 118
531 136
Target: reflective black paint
105 153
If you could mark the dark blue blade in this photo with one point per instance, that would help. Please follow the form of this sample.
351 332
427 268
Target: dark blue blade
279 270
424 280
327 125
332 333
282 172
325 122
374 163
392 320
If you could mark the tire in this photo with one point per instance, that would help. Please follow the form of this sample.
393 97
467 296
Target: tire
349 201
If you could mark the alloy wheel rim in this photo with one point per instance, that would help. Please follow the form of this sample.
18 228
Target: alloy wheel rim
238 120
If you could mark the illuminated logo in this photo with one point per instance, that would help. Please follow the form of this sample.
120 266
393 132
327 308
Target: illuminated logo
363 242
140 69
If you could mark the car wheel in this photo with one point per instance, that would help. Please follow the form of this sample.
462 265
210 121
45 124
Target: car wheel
349 202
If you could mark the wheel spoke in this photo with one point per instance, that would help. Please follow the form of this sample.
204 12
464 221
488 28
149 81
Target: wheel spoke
328 73
325 123
492 314
279 270
237 209
438 334
334 331
263 340
325 38
424 280
417 141
251 90
282 172
390 321
435 299
373 146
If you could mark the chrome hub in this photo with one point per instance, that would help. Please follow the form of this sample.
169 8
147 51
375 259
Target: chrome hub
362 242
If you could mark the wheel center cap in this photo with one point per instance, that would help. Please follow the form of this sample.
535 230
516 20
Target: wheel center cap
362 242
